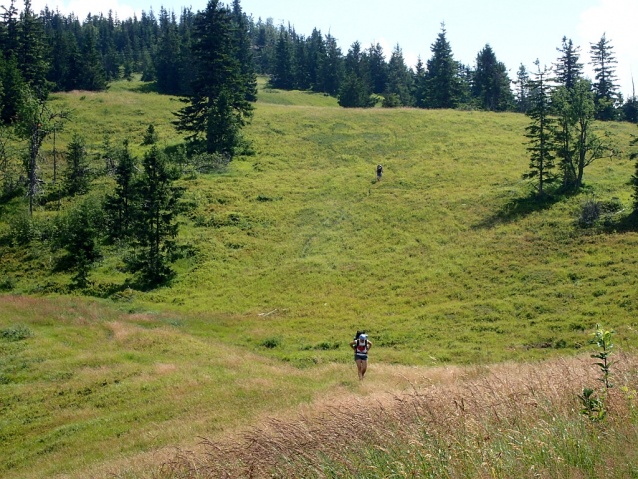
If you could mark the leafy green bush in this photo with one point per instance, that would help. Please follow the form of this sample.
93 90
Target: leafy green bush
23 228
590 213
271 343
16 333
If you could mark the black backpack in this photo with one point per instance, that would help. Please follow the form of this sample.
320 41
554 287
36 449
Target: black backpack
359 333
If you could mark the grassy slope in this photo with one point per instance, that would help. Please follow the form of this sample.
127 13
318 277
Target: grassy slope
428 260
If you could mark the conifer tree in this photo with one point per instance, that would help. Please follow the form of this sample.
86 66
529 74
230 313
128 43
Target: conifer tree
31 49
120 207
377 68
603 62
167 55
568 69
218 108
91 73
283 76
240 23
78 232
442 82
540 133
399 80
12 88
77 177
332 71
155 227
419 85
491 85
354 92
522 89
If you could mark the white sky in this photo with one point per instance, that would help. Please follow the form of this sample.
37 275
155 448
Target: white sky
518 33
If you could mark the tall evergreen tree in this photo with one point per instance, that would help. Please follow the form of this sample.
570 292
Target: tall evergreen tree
419 86
399 81
31 49
283 75
377 68
120 206
332 71
244 53
12 88
443 85
491 84
603 62
77 178
91 74
568 69
540 133
354 91
155 227
522 89
167 55
218 108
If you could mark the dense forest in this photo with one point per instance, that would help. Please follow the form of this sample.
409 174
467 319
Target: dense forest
55 52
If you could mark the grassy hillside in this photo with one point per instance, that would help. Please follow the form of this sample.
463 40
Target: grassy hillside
293 249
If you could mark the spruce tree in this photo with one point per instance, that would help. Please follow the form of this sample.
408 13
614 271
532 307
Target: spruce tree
91 75
354 92
155 227
399 81
522 89
540 133
240 23
491 85
442 82
419 85
167 55
120 207
78 232
568 69
218 108
31 50
603 62
283 75
332 71
377 68
12 90
77 174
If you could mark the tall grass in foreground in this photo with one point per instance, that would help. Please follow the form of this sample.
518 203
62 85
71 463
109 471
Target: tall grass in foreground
511 421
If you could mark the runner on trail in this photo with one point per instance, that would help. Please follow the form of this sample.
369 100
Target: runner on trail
361 346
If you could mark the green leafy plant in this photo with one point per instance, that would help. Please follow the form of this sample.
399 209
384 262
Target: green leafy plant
594 406
602 339
16 333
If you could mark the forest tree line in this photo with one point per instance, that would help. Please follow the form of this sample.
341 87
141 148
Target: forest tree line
54 52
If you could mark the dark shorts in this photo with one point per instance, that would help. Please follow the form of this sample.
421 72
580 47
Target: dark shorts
361 356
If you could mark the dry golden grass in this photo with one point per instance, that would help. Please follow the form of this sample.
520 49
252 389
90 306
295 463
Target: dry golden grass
469 413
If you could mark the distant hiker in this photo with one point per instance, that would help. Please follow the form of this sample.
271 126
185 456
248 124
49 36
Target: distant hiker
361 346
379 172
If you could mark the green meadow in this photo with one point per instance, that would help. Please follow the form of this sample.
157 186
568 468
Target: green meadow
289 250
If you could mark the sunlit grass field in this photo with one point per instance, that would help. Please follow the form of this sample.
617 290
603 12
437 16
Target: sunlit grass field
293 248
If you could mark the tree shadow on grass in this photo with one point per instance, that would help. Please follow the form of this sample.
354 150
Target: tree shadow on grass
150 87
619 223
519 208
